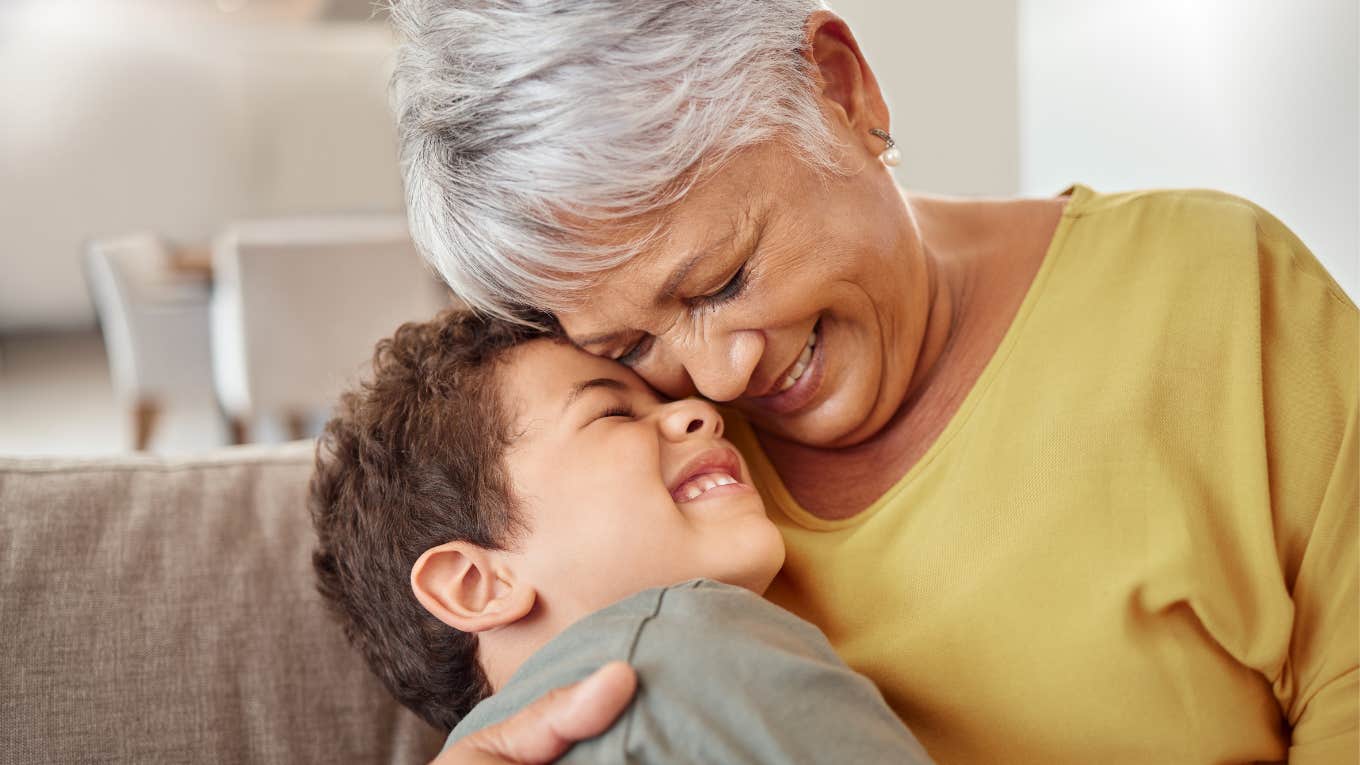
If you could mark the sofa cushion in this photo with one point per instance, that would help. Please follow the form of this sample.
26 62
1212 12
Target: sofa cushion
163 610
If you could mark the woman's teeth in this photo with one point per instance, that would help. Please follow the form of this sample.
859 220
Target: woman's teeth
700 484
801 365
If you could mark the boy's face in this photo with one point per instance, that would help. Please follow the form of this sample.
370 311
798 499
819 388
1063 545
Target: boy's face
622 491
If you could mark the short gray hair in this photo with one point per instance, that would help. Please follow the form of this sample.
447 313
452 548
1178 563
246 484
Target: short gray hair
526 124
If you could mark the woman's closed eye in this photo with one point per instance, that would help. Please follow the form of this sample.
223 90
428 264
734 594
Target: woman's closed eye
728 291
635 352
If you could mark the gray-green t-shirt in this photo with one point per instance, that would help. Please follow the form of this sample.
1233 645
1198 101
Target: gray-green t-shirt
723 677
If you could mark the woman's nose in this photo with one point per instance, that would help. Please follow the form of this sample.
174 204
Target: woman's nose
690 418
721 369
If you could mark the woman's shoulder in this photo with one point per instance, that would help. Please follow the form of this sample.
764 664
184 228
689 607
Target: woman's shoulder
1168 215
1202 200
1203 215
1193 231
1147 220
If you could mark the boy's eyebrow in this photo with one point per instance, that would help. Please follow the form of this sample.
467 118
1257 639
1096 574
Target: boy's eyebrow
599 382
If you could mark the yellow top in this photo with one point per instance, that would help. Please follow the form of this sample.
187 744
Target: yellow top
1136 540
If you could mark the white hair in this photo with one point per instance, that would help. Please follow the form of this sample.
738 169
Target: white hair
527 124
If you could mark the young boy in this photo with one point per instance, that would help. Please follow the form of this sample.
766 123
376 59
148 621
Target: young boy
500 514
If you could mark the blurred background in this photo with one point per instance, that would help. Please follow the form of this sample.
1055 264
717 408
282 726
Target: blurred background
201 227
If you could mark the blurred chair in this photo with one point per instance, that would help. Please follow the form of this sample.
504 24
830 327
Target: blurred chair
154 317
298 305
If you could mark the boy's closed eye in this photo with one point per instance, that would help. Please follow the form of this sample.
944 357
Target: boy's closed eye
615 410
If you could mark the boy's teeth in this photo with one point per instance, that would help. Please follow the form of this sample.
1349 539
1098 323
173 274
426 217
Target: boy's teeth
700 484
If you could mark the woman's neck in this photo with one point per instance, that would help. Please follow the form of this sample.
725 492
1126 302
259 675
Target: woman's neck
950 290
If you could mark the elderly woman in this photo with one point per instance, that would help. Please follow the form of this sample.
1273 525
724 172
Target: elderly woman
1072 479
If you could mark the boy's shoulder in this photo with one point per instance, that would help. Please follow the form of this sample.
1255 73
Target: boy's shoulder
723 676
673 614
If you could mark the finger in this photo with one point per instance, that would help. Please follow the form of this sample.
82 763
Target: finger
542 731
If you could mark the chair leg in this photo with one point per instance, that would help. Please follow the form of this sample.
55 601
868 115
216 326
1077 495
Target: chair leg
145 413
238 430
296 423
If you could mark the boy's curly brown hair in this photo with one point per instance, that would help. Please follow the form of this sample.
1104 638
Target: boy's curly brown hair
412 459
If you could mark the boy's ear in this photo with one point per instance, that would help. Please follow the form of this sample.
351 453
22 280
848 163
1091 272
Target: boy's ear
469 588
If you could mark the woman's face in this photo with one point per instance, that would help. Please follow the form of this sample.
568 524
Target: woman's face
798 296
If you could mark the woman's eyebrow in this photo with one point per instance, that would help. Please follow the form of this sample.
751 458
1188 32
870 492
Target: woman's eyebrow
677 276
580 388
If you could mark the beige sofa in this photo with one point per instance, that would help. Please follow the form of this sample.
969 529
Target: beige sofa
162 610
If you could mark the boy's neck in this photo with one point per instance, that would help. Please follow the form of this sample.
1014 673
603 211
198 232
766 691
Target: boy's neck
503 650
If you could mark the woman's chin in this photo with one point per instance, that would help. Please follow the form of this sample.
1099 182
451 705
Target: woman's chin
813 429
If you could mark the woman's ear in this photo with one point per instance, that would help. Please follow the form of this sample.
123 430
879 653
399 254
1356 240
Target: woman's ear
848 84
470 588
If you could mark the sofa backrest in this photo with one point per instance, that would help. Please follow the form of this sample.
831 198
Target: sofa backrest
163 610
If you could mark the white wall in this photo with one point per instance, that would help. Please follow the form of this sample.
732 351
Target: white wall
948 69
1255 97
111 122
118 117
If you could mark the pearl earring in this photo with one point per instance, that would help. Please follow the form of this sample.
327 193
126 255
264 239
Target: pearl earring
890 155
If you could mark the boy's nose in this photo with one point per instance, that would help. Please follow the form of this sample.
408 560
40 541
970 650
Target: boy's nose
690 417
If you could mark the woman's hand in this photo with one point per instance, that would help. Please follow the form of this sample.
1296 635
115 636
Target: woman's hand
542 731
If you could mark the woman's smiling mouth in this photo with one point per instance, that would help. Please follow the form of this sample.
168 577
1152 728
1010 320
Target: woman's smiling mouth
799 383
800 366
